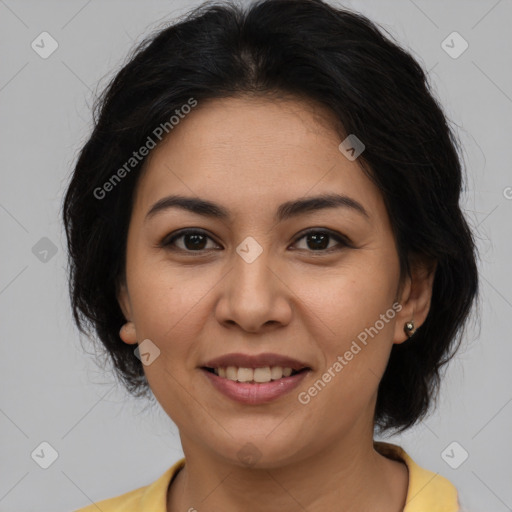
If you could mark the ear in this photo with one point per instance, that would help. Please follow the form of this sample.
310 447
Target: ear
414 296
123 299
127 332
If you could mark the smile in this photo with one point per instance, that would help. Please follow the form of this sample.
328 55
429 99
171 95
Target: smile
255 375
248 390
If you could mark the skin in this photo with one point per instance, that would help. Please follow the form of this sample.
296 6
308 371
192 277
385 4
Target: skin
250 155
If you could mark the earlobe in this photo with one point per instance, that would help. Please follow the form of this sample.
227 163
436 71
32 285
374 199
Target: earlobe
128 333
415 301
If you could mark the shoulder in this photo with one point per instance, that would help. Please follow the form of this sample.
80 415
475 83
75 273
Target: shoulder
149 497
427 491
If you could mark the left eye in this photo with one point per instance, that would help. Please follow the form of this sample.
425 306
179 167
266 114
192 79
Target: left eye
196 241
319 239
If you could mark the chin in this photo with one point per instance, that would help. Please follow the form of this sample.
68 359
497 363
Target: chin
260 450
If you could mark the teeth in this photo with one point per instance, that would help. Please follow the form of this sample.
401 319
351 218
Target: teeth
276 372
231 373
245 374
265 374
262 374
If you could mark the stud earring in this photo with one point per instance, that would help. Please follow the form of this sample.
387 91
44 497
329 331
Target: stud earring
409 328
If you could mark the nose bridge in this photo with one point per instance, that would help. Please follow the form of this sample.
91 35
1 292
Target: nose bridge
252 297
252 265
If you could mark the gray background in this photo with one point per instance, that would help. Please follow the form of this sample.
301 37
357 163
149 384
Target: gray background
54 392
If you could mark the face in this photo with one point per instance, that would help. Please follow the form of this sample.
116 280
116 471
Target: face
256 282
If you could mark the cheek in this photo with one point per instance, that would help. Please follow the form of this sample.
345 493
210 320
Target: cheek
345 303
169 305
166 303
161 294
350 315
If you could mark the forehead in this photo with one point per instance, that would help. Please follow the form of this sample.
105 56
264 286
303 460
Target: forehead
247 153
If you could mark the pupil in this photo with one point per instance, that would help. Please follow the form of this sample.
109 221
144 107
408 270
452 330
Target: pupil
197 242
319 237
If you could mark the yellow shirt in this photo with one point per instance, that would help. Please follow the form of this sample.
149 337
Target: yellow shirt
427 491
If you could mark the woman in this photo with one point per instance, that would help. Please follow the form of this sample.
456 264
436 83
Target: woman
265 233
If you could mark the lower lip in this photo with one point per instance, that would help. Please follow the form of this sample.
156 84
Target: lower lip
257 393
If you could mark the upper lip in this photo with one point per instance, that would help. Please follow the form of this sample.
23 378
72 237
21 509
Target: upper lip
255 361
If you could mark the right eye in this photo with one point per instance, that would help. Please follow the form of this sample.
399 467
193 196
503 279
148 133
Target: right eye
193 241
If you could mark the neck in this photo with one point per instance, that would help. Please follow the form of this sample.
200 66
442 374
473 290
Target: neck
346 476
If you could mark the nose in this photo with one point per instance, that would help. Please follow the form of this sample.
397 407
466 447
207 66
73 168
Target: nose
255 295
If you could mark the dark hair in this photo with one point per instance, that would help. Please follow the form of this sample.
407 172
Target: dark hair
310 50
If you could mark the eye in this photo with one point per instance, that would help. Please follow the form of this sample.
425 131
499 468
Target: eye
194 240
318 240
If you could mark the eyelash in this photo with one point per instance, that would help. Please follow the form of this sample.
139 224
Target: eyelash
341 239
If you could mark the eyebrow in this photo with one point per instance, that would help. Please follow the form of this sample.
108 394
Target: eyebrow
285 211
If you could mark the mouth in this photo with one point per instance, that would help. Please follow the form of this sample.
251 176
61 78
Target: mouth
254 386
259 375
259 363
254 379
